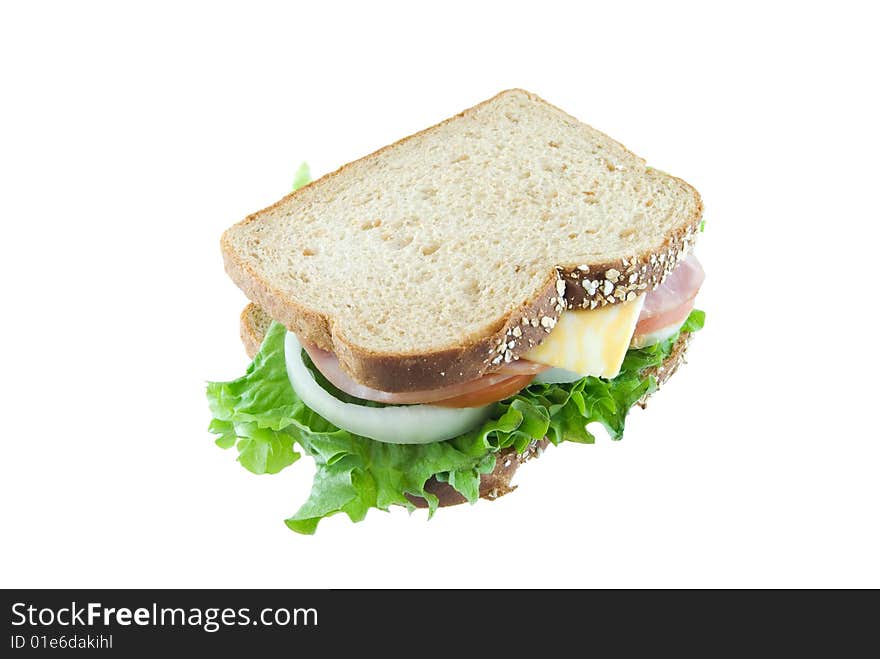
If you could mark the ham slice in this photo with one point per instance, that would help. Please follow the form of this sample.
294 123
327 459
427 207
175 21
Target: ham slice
670 303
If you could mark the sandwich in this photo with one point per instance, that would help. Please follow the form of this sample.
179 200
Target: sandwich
427 318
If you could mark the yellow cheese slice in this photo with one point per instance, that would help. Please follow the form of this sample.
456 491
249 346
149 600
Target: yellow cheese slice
590 342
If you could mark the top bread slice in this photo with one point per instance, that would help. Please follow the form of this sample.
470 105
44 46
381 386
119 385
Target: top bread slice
437 258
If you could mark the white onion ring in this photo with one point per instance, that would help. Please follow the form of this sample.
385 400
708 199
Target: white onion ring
407 424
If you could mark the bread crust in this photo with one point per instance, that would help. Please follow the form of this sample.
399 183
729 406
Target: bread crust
492 485
497 483
567 286
671 364
253 325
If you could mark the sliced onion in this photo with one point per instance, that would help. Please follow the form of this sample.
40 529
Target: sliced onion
557 375
407 424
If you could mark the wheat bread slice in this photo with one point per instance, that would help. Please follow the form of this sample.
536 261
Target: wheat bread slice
255 323
434 259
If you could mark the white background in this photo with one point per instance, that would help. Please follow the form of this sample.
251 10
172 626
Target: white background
131 138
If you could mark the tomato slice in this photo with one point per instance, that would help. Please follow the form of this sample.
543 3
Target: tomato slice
495 392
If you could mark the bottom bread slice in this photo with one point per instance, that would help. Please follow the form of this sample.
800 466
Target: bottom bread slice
255 323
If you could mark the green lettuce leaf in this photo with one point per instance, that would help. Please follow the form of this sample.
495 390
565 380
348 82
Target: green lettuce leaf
303 176
263 418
